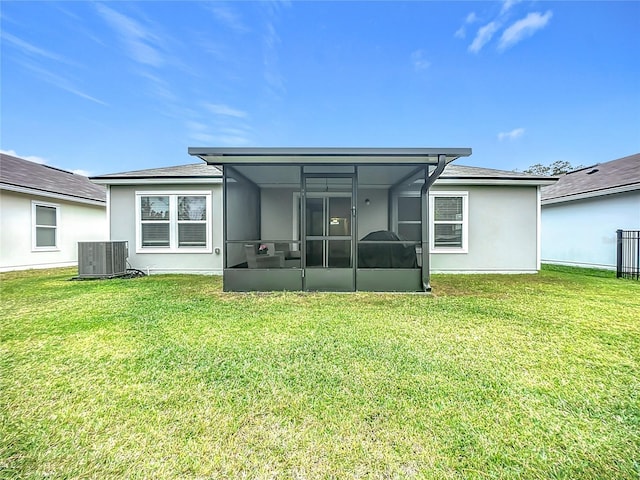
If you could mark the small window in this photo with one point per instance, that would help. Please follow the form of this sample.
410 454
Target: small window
45 218
449 222
174 222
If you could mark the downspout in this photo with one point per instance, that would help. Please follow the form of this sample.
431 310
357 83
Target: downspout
424 210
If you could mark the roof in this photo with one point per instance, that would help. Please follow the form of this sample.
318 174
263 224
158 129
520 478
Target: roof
205 173
615 176
181 174
18 174
325 156
461 172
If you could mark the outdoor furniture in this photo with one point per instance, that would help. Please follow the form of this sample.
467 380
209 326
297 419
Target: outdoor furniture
263 261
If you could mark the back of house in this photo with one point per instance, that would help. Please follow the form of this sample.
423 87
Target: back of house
272 220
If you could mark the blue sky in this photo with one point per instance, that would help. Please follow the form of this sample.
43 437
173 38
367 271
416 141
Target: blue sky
104 87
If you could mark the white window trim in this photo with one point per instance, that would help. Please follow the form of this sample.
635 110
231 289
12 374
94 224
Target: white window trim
173 223
465 222
34 246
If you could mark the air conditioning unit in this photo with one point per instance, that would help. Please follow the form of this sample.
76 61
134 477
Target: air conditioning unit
102 259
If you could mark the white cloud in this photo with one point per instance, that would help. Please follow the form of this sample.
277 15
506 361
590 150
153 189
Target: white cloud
512 135
231 140
524 28
61 82
229 18
79 171
32 50
31 158
419 61
462 31
507 4
483 36
225 110
275 81
141 43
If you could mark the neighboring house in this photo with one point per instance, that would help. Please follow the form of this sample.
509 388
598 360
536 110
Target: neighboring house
583 210
44 213
331 219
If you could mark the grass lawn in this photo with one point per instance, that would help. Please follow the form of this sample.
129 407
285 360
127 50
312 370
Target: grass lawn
523 376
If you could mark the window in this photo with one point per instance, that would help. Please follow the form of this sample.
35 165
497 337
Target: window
449 221
45 219
448 217
409 220
173 222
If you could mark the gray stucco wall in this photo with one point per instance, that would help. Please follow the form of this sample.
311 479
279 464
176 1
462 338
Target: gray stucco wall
503 231
502 228
122 208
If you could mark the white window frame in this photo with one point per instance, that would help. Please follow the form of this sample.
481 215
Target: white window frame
173 221
34 227
464 222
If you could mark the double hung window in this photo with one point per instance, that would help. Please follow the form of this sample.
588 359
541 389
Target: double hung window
448 220
173 221
45 220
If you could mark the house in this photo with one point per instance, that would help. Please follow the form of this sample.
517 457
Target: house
44 213
583 210
327 219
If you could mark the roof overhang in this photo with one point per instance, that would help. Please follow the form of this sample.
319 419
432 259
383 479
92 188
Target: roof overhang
156 180
52 195
326 156
592 194
521 182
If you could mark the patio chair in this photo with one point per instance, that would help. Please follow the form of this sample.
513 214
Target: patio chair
263 261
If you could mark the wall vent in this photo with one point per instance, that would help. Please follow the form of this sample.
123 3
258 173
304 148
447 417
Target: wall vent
102 259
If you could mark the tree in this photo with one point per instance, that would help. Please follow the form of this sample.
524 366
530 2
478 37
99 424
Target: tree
556 168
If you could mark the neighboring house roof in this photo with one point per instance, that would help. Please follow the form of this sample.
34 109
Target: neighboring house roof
19 175
616 176
192 173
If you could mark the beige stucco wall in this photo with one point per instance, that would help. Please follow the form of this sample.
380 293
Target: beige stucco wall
78 223
122 204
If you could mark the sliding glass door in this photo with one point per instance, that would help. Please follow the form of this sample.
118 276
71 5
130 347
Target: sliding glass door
328 236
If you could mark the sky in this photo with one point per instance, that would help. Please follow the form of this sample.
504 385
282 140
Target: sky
105 87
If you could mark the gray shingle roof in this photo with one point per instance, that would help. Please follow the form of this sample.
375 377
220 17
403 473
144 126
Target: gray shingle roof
180 171
204 170
17 172
454 171
596 178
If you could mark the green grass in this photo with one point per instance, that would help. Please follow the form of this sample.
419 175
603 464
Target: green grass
523 376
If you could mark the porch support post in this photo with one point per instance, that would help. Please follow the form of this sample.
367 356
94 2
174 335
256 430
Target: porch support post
424 211
224 220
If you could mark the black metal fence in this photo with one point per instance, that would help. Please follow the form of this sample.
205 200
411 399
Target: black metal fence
628 261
